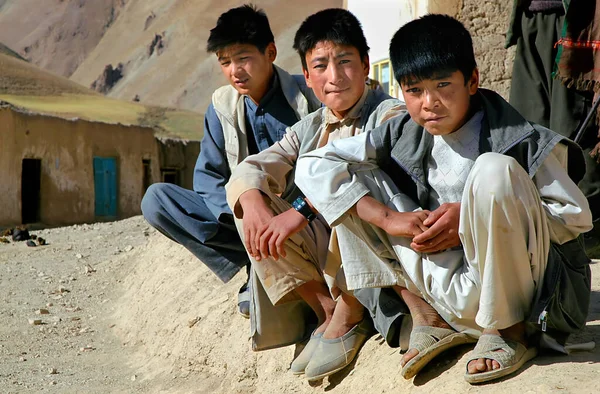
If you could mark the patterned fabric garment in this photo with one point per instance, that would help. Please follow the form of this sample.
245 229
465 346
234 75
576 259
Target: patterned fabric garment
451 160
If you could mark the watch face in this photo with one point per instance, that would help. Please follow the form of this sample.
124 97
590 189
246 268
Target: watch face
298 203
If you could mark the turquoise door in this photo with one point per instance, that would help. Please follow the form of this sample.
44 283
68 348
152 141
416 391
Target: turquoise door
105 186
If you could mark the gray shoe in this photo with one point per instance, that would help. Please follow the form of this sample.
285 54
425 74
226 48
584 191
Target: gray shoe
332 355
299 364
244 301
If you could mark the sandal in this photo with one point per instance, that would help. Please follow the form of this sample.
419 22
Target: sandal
431 341
511 355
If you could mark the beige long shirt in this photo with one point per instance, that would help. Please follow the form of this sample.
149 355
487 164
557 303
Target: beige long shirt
272 170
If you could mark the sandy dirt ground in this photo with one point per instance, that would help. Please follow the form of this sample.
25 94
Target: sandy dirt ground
130 311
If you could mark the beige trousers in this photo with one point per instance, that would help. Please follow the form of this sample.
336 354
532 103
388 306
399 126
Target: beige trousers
306 255
491 281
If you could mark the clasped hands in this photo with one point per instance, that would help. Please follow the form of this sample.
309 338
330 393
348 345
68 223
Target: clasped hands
431 231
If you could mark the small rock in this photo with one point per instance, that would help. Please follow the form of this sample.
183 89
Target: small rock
73 309
52 371
75 318
89 269
31 243
193 321
70 247
48 305
86 348
133 378
22 359
52 383
35 322
62 289
42 312
128 248
79 256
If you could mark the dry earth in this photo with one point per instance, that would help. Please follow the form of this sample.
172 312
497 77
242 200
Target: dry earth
122 299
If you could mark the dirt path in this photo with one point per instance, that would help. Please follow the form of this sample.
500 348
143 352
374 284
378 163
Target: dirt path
130 311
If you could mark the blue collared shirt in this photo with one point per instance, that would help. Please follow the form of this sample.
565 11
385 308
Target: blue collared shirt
267 121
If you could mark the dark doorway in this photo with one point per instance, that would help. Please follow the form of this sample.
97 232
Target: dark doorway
31 176
147 181
170 176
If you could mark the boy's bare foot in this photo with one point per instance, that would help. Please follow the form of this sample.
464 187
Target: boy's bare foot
515 333
422 314
348 313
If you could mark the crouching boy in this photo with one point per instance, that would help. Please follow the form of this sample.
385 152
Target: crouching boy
288 242
479 207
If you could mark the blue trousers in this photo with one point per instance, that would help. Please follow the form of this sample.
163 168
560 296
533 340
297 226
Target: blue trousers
182 215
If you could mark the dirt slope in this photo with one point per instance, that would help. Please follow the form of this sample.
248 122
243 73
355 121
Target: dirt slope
134 312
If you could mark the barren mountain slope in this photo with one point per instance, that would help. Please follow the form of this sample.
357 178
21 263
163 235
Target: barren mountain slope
7 51
56 35
181 74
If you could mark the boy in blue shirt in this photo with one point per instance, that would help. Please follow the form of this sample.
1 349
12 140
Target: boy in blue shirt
244 117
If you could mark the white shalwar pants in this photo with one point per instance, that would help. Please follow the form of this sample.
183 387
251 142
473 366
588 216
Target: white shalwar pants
490 282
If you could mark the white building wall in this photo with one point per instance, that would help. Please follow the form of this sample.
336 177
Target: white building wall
380 20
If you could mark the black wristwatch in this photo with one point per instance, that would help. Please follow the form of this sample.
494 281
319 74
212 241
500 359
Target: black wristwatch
302 206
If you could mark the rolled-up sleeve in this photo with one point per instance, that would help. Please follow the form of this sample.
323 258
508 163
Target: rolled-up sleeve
566 207
326 175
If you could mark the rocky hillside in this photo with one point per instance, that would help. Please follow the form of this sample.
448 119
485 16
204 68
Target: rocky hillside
157 46
56 35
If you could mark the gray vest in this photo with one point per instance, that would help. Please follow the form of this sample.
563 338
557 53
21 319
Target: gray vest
563 304
231 112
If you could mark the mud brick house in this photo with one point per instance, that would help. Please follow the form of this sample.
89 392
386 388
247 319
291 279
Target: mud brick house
69 155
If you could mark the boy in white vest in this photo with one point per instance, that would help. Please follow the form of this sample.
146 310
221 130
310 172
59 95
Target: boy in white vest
245 117
467 210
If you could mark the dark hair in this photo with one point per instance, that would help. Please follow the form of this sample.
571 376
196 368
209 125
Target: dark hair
431 45
241 25
336 25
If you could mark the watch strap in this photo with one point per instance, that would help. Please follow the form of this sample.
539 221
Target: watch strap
300 205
